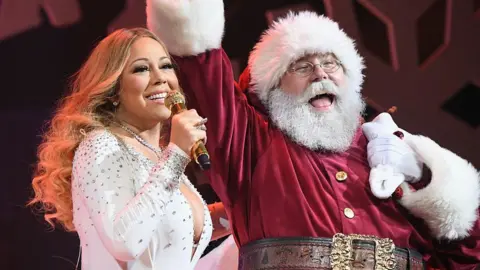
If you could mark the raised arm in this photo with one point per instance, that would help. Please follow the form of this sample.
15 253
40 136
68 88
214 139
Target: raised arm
103 182
192 31
187 27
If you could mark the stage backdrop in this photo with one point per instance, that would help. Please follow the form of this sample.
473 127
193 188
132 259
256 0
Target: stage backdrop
422 56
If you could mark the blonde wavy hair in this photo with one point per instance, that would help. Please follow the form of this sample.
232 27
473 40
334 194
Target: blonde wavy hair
88 106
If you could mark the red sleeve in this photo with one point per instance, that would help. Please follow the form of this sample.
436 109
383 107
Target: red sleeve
236 133
462 254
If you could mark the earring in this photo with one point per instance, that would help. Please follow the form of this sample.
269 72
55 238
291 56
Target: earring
115 103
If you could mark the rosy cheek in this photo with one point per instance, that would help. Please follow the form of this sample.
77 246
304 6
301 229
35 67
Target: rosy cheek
299 89
140 85
174 84
291 88
338 79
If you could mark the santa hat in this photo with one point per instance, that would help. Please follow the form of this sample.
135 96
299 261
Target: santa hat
294 36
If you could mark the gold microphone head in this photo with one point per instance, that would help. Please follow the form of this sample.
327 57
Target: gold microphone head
173 98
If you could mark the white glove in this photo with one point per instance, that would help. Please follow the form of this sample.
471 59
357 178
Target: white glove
391 160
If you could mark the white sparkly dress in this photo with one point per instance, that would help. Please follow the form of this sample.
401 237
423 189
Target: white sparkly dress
129 212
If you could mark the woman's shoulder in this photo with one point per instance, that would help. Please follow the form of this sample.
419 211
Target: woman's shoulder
99 141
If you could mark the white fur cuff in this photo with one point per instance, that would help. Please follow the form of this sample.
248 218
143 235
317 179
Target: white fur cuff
449 204
187 27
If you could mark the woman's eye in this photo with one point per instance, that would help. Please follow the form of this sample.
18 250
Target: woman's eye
140 69
167 66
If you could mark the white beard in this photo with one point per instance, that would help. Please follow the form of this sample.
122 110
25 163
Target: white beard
333 130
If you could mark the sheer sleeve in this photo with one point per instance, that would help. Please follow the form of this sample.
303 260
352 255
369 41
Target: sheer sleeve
124 217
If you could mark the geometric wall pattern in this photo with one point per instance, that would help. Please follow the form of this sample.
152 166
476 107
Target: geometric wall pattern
464 104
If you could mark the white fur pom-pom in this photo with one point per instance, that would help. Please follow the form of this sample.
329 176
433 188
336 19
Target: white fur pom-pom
187 27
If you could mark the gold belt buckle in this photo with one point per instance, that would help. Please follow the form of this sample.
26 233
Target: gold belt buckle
341 256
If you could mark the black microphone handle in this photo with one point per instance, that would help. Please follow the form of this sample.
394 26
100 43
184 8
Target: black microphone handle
201 156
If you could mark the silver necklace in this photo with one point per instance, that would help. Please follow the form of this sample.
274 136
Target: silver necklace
142 141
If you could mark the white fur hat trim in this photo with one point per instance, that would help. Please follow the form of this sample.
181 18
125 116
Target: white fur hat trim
294 36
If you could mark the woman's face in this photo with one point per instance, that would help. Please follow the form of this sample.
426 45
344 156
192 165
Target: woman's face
144 83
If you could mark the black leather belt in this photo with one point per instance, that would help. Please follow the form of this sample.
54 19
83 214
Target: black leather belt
341 252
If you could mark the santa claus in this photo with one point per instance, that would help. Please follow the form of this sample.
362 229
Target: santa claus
292 165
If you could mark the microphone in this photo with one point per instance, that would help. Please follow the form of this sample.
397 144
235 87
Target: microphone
175 102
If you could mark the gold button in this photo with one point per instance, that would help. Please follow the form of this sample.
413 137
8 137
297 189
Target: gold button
341 176
348 212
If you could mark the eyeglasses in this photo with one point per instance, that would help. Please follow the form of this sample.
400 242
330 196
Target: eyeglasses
304 68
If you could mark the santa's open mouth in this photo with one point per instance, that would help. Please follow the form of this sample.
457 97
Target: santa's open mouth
322 102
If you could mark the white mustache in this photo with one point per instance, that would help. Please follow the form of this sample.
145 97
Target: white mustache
319 88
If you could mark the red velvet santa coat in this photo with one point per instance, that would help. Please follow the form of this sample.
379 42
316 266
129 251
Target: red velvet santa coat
274 187
271 186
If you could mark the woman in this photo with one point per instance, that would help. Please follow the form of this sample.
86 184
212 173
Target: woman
103 173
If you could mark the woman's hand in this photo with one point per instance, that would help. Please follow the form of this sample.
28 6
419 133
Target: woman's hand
187 128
